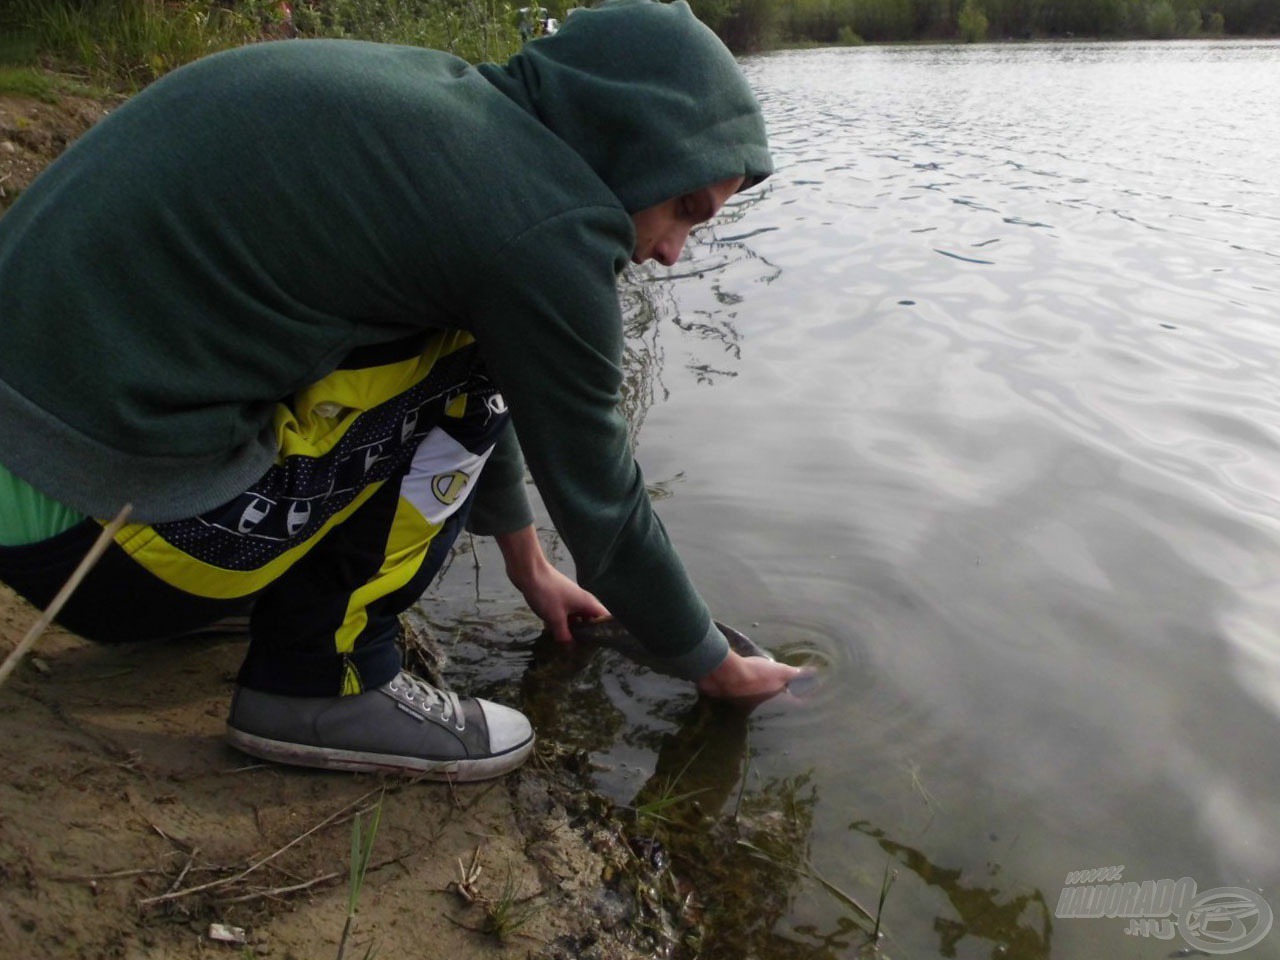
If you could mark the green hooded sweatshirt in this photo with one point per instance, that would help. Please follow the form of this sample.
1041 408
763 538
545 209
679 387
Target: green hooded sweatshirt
230 234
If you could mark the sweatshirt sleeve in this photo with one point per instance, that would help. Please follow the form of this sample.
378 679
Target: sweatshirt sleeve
501 505
549 326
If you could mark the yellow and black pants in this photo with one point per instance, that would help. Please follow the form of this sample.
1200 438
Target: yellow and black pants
376 468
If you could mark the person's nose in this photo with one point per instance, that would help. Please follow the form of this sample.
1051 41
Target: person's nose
667 250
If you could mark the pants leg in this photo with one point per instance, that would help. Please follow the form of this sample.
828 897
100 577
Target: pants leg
376 465
329 625
154 610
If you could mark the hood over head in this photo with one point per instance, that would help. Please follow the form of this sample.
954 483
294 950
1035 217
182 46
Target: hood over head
647 95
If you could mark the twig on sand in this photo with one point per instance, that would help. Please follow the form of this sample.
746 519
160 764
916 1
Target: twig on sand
236 878
63 595
182 874
279 891
244 769
109 875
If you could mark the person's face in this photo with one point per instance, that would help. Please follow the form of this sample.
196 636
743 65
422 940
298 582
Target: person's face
661 230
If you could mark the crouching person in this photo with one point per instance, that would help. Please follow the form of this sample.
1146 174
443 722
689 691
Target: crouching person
296 302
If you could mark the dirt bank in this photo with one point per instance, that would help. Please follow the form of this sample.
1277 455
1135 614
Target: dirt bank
33 133
128 828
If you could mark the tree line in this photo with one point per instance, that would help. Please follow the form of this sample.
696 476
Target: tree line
758 24
128 43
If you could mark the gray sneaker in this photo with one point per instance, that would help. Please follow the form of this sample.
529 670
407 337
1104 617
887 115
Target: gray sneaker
405 726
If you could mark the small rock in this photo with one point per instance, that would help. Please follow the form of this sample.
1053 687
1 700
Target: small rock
226 934
8 146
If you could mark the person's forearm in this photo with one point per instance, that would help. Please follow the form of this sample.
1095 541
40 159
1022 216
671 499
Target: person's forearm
554 597
522 554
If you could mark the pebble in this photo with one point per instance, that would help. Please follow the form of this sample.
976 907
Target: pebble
223 933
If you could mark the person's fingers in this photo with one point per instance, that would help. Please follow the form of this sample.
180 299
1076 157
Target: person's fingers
587 607
560 630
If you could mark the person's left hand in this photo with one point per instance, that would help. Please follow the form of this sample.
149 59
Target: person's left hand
558 600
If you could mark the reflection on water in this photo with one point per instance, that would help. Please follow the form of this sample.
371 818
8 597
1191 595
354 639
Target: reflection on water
709 341
1019 926
742 841
976 403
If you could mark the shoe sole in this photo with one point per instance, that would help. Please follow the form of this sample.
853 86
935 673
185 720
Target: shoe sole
329 758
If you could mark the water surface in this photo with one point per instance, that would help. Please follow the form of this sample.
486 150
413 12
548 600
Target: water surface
977 403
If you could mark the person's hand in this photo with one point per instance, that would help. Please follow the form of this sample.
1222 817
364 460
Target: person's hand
549 593
558 600
747 678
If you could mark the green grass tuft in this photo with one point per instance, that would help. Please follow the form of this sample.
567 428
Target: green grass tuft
361 851
28 82
504 916
126 44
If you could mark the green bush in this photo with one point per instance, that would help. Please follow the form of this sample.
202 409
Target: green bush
1217 24
884 19
972 22
1190 22
817 20
1162 21
1131 18
847 36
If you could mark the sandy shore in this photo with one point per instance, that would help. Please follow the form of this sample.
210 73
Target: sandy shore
128 828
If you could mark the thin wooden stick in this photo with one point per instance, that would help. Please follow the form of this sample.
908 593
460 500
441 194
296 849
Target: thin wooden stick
55 607
278 891
113 875
225 881
306 884
183 874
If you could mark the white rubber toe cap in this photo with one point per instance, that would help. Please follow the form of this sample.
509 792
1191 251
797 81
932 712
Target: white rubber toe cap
508 729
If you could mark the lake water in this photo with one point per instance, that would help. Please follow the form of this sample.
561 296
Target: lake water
975 404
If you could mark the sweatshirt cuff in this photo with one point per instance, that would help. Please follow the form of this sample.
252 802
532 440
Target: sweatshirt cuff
708 654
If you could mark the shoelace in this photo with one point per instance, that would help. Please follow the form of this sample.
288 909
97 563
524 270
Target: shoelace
444 702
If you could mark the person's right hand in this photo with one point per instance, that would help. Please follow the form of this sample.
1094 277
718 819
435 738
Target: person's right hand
747 678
